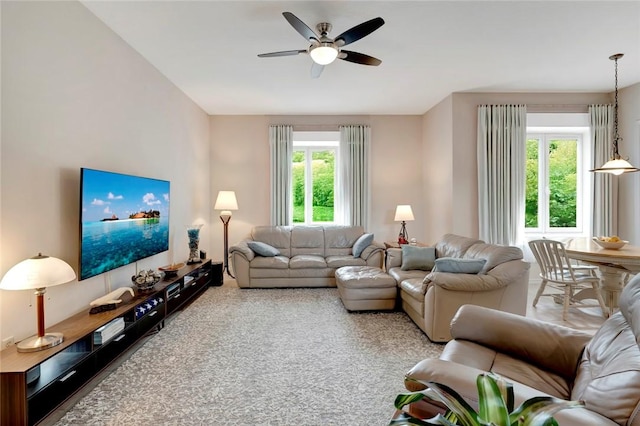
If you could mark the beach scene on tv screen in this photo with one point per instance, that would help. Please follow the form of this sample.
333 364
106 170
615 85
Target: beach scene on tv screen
124 219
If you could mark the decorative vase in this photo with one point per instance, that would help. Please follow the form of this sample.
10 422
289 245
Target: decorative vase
193 232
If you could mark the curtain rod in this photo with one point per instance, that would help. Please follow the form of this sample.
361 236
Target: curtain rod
567 108
316 127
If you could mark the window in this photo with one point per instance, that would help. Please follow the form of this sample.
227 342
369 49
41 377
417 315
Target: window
314 167
556 181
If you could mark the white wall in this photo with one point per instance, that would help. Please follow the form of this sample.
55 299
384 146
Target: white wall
437 169
75 95
629 184
240 162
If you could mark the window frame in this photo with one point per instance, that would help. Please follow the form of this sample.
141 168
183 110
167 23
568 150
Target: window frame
310 142
583 183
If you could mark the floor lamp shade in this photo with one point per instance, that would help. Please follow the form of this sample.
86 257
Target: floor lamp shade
38 273
226 202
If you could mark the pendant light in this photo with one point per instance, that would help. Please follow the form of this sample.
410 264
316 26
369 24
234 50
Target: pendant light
616 165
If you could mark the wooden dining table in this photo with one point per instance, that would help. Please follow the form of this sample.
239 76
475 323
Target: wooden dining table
614 265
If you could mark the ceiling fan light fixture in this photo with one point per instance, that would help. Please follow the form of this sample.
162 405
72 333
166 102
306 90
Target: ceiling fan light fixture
324 54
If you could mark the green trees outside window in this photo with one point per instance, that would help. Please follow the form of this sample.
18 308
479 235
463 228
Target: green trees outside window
321 183
559 168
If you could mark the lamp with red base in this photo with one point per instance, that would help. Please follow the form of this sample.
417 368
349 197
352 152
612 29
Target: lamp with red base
403 214
38 272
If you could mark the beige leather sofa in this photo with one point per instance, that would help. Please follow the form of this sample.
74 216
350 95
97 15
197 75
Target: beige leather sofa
542 359
308 256
431 299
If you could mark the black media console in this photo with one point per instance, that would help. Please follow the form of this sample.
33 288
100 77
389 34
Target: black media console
34 384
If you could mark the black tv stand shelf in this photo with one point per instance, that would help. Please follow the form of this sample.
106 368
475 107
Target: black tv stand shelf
33 384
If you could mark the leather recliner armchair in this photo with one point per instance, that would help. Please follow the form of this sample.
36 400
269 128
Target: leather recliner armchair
540 358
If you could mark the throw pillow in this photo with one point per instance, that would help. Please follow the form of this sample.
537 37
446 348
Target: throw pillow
263 249
459 266
413 257
362 243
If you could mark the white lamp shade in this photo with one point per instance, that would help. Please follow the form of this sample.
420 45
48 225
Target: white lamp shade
616 167
37 272
403 213
226 201
324 55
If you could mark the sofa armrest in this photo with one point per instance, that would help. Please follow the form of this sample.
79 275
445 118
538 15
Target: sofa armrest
372 248
462 282
243 249
509 272
394 258
548 346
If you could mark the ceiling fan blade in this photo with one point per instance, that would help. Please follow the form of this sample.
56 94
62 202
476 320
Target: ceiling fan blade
358 58
283 53
300 26
316 70
359 31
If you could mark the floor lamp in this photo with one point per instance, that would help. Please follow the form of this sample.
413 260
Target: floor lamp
38 272
226 202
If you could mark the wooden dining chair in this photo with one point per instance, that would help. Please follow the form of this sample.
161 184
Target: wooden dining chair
572 285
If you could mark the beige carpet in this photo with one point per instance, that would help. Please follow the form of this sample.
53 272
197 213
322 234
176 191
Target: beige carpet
262 357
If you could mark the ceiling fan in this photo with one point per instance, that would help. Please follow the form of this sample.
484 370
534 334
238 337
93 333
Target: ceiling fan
323 49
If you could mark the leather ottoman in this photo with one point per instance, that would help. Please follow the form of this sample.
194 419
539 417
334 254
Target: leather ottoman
366 288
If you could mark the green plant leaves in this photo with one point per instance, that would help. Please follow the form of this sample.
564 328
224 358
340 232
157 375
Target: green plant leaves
495 402
539 411
491 404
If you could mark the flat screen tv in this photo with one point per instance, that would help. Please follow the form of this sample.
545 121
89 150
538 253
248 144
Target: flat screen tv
123 219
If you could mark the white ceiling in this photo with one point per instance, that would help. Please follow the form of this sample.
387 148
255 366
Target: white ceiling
428 49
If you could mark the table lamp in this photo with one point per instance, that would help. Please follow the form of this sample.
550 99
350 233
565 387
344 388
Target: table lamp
403 214
38 272
226 202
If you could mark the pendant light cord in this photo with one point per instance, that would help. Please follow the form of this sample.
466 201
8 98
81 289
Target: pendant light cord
616 136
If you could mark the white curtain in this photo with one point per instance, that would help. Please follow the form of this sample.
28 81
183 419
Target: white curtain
502 134
281 145
354 177
605 186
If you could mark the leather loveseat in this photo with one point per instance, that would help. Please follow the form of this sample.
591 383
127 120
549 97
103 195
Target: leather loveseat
302 256
431 297
542 359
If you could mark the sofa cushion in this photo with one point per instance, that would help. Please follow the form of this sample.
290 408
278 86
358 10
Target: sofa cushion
276 236
399 275
336 262
452 245
493 254
307 261
307 240
413 287
362 243
421 258
275 262
459 266
263 249
339 240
